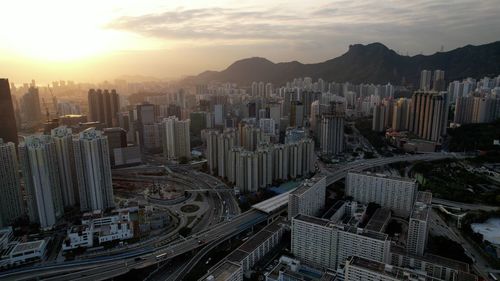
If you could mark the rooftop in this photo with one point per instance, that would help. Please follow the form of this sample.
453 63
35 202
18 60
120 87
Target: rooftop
379 219
28 246
272 204
306 185
313 220
224 271
255 241
384 176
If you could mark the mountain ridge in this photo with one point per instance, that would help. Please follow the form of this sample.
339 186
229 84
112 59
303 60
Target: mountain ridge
370 63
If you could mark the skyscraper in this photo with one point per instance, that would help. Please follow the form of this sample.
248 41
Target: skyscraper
418 227
41 177
7 117
438 83
175 138
93 170
145 116
63 140
10 190
429 115
30 106
332 130
425 80
104 106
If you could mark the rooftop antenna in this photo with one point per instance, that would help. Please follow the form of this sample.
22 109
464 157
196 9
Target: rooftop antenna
442 48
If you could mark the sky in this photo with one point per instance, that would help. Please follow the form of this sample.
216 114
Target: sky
96 40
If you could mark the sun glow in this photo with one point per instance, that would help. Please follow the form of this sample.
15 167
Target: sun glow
59 31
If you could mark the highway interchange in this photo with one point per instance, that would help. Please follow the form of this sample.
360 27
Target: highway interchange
107 267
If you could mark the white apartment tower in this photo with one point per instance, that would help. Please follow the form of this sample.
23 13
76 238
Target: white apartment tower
41 177
397 194
308 198
63 140
323 244
176 138
11 204
93 170
425 80
332 131
418 227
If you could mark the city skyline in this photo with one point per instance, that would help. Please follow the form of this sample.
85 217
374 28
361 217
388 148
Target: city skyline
170 40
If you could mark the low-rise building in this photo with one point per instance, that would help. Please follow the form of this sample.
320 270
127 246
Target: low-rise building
225 271
96 227
289 269
19 253
258 245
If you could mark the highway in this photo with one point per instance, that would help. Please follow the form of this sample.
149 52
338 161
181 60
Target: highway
81 270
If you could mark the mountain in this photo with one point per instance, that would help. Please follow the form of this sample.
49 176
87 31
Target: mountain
372 63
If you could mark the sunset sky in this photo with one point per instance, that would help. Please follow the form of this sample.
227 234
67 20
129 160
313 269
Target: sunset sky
95 40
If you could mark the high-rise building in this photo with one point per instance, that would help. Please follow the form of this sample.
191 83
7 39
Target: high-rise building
429 115
145 116
308 198
63 140
104 107
323 244
176 138
395 193
418 227
296 114
117 138
425 80
438 83
332 133
401 114
11 203
267 126
7 116
93 170
40 170
30 106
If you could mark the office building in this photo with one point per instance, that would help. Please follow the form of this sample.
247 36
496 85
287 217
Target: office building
418 227
39 163
11 202
308 198
397 194
93 170
63 140
7 116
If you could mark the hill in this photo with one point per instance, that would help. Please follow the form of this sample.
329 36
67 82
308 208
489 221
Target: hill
372 63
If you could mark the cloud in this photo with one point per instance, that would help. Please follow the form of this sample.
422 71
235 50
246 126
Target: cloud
424 24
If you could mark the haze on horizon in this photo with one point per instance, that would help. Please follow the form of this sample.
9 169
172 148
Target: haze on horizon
96 40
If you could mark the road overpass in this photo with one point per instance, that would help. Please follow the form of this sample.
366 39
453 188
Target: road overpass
122 263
